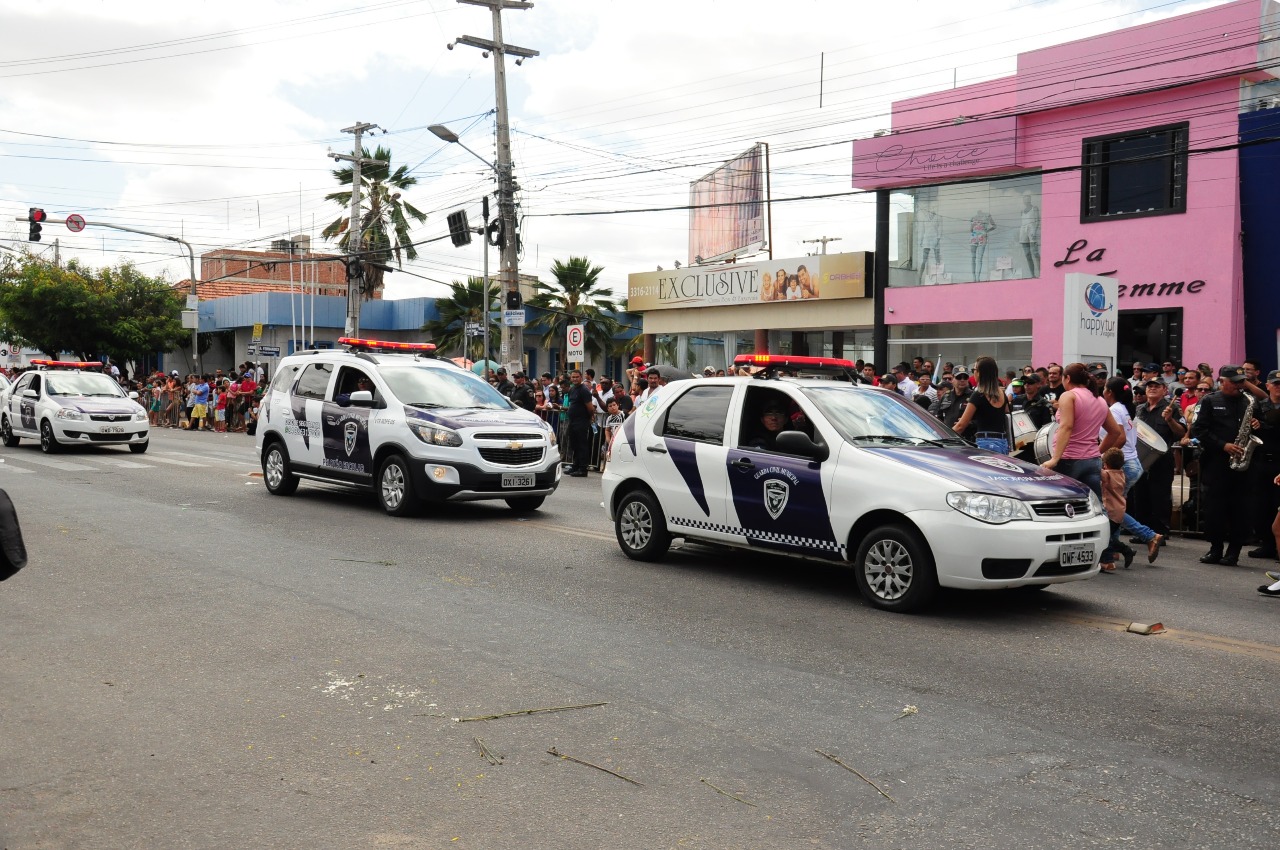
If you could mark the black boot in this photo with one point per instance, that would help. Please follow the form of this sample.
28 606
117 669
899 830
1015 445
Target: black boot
1232 557
1127 553
1262 552
1213 556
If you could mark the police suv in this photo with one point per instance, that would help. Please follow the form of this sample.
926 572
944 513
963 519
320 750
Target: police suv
68 402
830 469
391 418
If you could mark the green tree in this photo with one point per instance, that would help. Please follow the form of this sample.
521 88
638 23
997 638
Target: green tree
384 215
576 293
465 304
116 311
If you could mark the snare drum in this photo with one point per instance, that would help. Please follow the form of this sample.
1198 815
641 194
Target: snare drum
1024 430
1151 446
1044 442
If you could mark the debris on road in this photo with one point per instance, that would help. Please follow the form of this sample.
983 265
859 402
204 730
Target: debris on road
856 773
488 754
527 711
907 711
720 790
1145 628
553 751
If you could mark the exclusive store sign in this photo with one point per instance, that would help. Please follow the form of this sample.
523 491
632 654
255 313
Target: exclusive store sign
828 277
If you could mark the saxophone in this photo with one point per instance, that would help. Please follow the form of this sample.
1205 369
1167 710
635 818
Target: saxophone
1246 439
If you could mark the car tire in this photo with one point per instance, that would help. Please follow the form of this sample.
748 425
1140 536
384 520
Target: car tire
395 488
526 504
894 569
6 433
48 441
139 448
640 527
276 473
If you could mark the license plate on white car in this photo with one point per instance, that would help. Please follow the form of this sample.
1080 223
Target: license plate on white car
113 429
517 480
1075 554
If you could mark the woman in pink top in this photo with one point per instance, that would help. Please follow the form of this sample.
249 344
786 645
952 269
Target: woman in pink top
1081 414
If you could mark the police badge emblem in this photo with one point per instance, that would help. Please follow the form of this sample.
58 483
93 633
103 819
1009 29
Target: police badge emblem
776 494
350 430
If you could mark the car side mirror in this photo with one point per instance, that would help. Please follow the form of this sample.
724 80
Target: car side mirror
799 443
133 394
29 393
361 398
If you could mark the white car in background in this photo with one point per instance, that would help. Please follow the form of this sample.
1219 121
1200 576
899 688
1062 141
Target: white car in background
64 403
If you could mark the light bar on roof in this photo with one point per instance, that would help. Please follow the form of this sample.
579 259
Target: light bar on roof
359 344
67 364
792 361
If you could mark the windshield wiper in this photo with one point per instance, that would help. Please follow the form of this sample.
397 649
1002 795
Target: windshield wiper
425 405
888 438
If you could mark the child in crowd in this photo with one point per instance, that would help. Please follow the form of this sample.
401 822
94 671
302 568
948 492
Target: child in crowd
1113 500
612 422
220 408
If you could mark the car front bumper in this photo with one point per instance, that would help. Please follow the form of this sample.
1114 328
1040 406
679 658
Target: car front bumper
461 482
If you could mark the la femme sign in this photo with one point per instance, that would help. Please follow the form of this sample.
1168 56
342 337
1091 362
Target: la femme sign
1076 253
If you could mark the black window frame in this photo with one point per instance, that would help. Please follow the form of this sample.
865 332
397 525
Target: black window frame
1094 173
306 373
700 392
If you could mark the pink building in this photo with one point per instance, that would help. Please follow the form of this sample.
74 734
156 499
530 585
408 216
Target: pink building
1115 156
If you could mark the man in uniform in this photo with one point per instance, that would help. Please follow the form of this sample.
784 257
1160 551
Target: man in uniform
1227 507
581 410
504 385
522 395
1037 406
952 398
1150 496
1265 468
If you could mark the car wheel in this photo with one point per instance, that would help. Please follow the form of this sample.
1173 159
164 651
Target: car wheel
526 504
894 569
48 442
641 530
395 488
279 479
6 433
139 448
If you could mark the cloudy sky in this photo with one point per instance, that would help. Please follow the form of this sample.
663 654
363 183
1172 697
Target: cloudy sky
211 120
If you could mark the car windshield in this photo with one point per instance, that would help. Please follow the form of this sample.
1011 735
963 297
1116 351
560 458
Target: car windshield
432 387
876 416
81 384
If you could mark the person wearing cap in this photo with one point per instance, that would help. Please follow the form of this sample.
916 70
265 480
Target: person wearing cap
1149 499
889 381
708 372
1225 492
504 384
522 395
1033 401
1150 372
953 397
1265 468
636 370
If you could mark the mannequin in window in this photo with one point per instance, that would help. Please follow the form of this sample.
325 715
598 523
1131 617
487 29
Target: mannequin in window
1029 234
929 234
981 225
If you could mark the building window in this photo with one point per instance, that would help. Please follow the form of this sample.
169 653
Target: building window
1135 174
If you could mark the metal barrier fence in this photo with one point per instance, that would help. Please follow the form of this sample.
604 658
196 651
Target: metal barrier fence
559 420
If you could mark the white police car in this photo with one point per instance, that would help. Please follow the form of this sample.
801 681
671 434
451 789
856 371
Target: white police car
859 476
64 402
391 418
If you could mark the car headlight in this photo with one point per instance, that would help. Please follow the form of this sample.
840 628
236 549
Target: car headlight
987 508
551 433
1095 504
139 416
69 413
434 435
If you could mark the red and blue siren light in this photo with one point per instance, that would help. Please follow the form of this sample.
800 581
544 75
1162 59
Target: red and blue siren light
357 344
67 364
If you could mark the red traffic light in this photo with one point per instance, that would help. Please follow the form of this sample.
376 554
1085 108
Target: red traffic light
36 214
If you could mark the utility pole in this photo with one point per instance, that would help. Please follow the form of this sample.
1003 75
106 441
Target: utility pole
824 240
512 354
355 273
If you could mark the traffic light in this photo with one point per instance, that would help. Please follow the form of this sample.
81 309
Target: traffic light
514 300
35 215
459 232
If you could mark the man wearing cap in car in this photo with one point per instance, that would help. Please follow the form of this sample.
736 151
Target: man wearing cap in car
1228 508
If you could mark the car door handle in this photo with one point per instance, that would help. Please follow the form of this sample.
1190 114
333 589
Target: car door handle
743 463
656 449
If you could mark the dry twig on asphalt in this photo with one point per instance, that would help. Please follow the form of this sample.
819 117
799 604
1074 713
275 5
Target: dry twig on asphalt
553 751
527 711
488 754
856 773
720 790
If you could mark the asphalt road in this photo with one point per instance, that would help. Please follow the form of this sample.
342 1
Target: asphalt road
191 662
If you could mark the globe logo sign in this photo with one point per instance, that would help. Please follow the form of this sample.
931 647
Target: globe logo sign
1095 298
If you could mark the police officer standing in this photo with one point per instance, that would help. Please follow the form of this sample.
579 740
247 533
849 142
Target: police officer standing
581 410
1150 496
1228 508
1033 401
952 398
1265 468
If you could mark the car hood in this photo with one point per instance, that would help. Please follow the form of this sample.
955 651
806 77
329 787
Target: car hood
458 418
98 405
986 472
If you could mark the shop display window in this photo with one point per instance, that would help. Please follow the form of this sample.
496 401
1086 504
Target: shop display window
986 230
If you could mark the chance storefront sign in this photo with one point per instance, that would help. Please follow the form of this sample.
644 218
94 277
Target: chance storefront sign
768 281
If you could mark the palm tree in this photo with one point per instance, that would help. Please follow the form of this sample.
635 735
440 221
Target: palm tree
466 304
576 297
384 220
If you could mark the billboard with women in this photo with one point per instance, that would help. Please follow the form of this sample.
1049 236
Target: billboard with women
726 208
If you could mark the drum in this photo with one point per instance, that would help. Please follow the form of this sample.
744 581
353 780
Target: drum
1151 446
1044 442
1024 430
